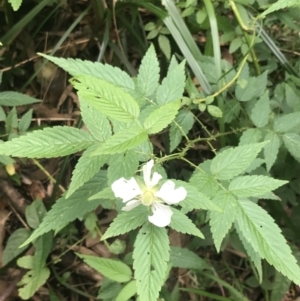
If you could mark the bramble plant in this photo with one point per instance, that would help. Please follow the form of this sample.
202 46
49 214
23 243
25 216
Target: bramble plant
121 114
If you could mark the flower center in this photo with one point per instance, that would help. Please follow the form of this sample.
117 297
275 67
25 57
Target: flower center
147 198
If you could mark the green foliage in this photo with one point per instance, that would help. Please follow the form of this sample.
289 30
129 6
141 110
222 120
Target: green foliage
50 142
128 291
151 254
13 99
266 239
15 4
280 4
110 268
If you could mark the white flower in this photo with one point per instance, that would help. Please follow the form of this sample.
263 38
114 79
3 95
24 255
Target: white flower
148 195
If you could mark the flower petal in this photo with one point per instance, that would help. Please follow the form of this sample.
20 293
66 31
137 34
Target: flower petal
147 172
126 189
169 194
131 204
161 215
155 179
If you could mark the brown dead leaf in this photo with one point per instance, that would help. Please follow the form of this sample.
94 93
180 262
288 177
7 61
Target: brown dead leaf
36 190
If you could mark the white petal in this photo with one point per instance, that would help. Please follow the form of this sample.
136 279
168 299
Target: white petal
161 215
126 189
169 194
131 204
147 172
155 179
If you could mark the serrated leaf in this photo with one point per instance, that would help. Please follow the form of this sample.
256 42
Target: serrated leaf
13 243
148 76
15 4
32 281
144 151
233 161
280 4
48 143
25 121
96 122
181 223
109 99
106 72
203 180
271 149
186 259
254 256
150 258
265 237
161 117
13 99
292 143
122 141
127 221
85 169
122 165
255 87
231 110
172 86
76 206
287 123
110 268
246 186
260 112
128 291
195 199
221 222
251 136
183 123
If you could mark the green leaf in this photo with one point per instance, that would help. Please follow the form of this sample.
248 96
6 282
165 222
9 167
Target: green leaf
13 243
25 121
164 45
292 143
35 213
251 136
260 112
13 99
195 199
48 143
127 221
109 99
15 4
76 206
233 161
110 268
255 87
107 72
214 111
186 259
280 4
280 287
148 77
231 110
85 169
183 123
96 122
181 223
128 291
122 141
265 237
122 165
172 86
144 151
150 258
271 149
246 186
43 245
221 222
203 180
287 123
254 256
161 117
32 281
